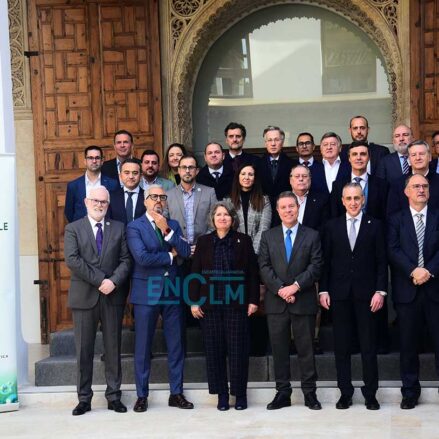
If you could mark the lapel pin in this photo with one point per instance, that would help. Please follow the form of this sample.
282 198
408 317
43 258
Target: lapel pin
107 223
369 222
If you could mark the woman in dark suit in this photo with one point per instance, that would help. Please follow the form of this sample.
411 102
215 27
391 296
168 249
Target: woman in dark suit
223 298
252 207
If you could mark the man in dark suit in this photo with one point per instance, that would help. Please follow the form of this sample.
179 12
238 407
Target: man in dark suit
413 249
332 165
374 188
434 167
395 165
313 206
215 174
127 203
359 131
78 189
354 284
419 157
305 149
123 146
290 260
235 137
97 255
154 243
274 167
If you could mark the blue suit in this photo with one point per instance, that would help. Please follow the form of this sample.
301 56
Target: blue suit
151 295
74 208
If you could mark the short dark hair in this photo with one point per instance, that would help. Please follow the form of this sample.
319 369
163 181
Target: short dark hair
358 143
287 194
435 133
235 126
305 133
213 143
359 117
189 156
131 160
91 148
149 152
418 142
123 132
331 134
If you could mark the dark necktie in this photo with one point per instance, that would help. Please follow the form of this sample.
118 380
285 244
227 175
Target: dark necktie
99 238
274 169
159 234
216 174
306 163
236 163
357 180
129 206
405 165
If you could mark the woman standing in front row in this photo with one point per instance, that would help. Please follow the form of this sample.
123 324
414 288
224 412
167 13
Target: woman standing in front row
223 301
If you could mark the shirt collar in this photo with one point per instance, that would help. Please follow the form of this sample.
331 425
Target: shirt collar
363 177
94 222
136 190
293 229
310 161
337 161
191 190
87 180
415 212
220 170
358 217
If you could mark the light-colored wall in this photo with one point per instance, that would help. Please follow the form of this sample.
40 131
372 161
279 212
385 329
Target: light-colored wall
28 242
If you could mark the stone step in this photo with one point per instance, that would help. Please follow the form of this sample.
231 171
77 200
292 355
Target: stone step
62 342
61 370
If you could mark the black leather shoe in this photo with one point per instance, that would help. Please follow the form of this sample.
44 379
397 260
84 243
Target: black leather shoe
81 408
141 405
117 406
408 403
179 401
280 400
312 402
241 403
372 403
344 402
223 402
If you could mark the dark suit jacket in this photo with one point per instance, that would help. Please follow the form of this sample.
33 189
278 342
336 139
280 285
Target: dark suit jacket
224 185
244 158
376 153
433 166
304 266
403 255
316 210
117 210
376 197
358 273
154 277
397 200
244 263
89 269
109 168
389 167
318 178
74 206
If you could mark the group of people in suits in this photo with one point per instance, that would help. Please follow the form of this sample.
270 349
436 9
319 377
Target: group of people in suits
313 232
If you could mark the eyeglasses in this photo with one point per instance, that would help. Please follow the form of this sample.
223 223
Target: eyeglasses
187 168
98 202
94 158
307 143
155 197
417 187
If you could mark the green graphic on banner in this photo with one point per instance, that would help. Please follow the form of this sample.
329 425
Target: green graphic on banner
8 389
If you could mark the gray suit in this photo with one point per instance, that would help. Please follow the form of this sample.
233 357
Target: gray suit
89 305
205 198
304 267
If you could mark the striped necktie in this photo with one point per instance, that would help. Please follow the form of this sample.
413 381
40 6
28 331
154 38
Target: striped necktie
405 165
420 233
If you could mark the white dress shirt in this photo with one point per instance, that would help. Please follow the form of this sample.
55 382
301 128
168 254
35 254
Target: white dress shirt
331 171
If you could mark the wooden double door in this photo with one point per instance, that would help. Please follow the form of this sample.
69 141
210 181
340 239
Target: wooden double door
95 69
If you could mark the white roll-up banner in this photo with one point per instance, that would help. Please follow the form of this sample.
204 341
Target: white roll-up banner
8 285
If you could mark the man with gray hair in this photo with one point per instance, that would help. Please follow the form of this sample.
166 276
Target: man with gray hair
419 157
97 255
154 242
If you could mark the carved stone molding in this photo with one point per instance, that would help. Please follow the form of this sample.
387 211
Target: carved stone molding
19 65
190 36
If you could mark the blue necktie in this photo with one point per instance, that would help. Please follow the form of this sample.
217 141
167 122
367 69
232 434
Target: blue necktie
129 207
99 238
288 244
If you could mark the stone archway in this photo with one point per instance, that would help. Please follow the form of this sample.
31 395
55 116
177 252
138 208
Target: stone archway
190 27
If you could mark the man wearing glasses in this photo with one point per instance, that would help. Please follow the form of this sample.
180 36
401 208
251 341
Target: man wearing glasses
189 203
413 252
79 188
97 255
154 242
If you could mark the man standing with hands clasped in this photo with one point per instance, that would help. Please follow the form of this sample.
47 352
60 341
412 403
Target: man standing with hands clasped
290 260
353 285
413 248
96 253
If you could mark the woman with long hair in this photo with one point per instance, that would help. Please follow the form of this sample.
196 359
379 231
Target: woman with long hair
171 160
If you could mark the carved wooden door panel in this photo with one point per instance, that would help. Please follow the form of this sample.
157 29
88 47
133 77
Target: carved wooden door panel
95 70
